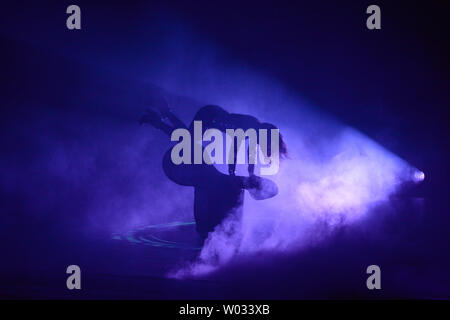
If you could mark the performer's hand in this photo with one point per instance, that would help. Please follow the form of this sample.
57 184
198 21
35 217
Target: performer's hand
260 188
252 182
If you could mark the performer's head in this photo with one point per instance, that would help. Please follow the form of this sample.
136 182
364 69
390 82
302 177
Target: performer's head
211 117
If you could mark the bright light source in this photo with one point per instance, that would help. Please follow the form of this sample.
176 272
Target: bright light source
419 176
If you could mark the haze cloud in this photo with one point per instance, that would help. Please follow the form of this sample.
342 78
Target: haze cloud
107 166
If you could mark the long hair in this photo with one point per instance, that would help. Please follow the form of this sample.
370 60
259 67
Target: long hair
282 145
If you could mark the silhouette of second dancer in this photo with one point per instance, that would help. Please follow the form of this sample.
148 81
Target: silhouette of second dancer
216 195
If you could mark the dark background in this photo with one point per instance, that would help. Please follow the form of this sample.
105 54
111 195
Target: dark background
400 74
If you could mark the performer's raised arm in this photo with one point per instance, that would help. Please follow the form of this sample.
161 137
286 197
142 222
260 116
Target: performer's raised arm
153 118
167 114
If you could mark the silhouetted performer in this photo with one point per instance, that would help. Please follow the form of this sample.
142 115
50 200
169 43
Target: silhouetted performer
217 195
